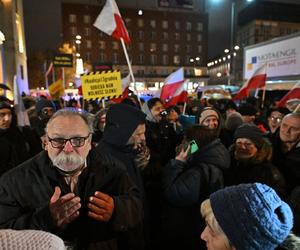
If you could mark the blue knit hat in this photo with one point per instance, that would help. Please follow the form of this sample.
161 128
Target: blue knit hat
252 216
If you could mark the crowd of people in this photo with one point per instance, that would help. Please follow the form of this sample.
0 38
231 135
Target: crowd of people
134 175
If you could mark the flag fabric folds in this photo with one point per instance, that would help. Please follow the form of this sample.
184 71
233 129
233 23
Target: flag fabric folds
258 80
172 83
292 94
21 113
125 89
181 95
110 22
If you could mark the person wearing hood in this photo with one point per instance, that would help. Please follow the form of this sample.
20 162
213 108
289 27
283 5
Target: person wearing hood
190 178
17 144
124 139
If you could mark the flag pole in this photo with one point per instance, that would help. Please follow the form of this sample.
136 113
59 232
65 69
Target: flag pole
130 68
297 108
184 108
103 103
263 97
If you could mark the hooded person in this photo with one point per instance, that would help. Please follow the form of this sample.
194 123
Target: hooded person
245 217
124 139
209 117
17 144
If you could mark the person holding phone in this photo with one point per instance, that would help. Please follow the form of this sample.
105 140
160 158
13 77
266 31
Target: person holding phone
195 173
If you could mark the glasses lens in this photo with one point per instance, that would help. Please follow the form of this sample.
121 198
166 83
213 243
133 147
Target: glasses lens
57 142
77 141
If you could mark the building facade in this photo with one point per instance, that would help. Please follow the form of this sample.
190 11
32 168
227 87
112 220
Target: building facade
13 59
257 22
163 39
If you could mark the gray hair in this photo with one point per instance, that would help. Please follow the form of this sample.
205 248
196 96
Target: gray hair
72 112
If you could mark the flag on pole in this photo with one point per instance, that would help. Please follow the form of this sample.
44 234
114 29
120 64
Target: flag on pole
21 113
292 94
125 89
258 80
172 83
56 89
110 22
181 95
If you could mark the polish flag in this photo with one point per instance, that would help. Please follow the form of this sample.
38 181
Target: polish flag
258 80
181 95
110 22
125 89
172 83
292 94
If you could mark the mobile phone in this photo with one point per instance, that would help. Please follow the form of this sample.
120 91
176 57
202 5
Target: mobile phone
194 146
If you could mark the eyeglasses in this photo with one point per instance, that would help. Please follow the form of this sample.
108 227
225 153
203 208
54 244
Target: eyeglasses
61 142
276 119
245 144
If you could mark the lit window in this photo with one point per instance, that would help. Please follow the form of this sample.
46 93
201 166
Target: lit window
140 23
87 31
73 30
165 36
153 59
72 18
188 25
199 49
164 24
88 44
188 37
102 44
102 57
141 47
115 45
199 38
152 47
176 59
153 24
199 26
86 19
141 58
176 48
165 47
115 58
177 25
177 36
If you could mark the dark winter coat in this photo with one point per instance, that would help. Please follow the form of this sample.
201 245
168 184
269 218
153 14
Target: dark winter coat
250 171
25 193
17 144
287 162
185 186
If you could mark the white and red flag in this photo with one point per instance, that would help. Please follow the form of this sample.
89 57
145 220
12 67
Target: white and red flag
292 94
110 22
125 89
258 80
181 95
172 83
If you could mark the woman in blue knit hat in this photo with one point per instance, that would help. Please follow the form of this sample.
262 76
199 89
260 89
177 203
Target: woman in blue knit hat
245 217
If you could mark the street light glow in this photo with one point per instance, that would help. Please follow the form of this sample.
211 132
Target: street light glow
236 47
78 37
224 59
216 61
78 42
220 60
226 50
197 58
140 12
192 60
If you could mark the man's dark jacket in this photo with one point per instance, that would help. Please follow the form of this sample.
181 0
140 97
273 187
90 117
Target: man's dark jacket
25 193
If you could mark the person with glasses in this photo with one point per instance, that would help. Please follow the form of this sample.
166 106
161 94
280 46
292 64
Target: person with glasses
79 194
274 119
251 156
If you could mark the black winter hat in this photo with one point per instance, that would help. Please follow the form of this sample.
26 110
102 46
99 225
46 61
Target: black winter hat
44 103
250 131
247 109
5 103
121 122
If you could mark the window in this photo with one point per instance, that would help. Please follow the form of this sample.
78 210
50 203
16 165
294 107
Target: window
72 18
102 44
87 31
88 56
152 35
188 37
176 59
187 59
141 58
141 34
86 19
140 23
152 47
188 26
115 57
141 47
199 26
165 47
153 59
199 38
164 24
177 36
165 60
115 45
199 49
73 30
188 48
177 25
102 57
176 48
165 36
153 24
88 44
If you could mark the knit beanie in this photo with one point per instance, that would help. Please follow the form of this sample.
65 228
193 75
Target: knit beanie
250 131
44 103
208 112
252 216
233 121
247 109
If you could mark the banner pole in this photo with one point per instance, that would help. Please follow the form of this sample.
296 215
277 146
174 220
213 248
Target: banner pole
184 108
130 69
263 97
297 108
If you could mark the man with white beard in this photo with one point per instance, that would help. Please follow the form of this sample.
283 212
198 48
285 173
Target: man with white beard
70 190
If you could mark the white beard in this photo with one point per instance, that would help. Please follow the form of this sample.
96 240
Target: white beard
68 162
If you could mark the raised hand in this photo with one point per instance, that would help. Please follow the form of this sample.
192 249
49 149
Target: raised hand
64 209
101 207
